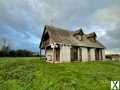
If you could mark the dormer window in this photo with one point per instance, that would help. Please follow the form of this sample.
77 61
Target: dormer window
92 36
78 34
78 37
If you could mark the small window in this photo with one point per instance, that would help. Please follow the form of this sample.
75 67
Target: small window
79 38
49 57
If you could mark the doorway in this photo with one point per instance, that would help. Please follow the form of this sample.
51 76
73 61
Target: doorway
89 56
74 54
97 57
57 54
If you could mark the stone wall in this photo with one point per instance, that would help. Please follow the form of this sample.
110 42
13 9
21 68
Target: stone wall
92 54
84 54
49 54
79 54
65 55
103 54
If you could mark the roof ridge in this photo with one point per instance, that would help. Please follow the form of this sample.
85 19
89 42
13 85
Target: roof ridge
57 28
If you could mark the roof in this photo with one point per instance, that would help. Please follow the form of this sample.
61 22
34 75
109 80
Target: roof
93 34
64 36
113 55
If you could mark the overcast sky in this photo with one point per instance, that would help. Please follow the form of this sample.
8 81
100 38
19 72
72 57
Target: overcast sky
22 21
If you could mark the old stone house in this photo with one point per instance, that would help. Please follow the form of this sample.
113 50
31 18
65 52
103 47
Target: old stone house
61 45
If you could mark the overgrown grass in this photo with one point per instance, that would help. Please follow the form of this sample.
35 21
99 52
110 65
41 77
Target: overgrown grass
34 74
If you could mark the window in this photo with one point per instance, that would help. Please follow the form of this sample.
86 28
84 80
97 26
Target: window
78 37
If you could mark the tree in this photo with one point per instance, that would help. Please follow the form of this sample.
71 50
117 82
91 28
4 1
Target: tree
5 48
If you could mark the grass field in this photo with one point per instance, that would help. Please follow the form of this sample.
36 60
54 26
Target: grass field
34 74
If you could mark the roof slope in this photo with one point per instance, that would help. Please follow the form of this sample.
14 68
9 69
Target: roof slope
58 35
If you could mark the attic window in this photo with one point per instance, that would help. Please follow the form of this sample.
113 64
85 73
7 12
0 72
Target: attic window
78 34
78 37
92 39
92 36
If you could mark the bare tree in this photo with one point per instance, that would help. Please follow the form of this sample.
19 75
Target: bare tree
5 46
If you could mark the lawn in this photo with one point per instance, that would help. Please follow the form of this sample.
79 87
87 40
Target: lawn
35 74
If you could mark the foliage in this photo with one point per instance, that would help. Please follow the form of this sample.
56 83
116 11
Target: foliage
5 51
17 53
34 74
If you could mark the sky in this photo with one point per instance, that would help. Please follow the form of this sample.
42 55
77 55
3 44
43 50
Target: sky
22 21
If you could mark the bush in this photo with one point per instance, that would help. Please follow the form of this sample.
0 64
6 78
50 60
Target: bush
17 53
4 53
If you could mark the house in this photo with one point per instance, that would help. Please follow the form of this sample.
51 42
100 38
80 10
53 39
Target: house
61 45
113 57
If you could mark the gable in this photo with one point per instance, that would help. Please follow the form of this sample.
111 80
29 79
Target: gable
45 40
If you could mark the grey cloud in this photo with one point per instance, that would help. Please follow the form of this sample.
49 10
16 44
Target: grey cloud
26 18
74 11
115 36
108 19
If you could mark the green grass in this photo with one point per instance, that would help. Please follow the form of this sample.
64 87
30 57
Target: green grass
34 74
